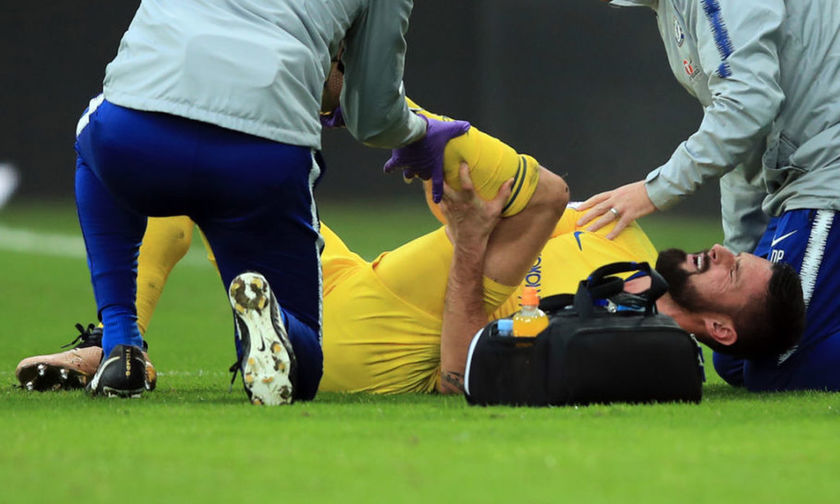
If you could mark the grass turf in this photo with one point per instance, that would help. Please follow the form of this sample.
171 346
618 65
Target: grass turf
192 439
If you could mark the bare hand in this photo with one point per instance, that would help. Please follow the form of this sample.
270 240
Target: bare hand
467 215
624 205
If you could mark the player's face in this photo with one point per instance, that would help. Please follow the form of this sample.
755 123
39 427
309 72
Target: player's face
714 279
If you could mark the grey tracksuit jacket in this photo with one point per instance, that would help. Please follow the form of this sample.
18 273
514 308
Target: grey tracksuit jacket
259 66
767 73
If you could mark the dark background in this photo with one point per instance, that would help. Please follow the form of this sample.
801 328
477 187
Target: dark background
582 87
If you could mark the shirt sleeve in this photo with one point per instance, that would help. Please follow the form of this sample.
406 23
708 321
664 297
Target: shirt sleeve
373 97
737 44
741 194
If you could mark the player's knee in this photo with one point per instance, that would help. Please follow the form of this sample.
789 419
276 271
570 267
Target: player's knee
552 194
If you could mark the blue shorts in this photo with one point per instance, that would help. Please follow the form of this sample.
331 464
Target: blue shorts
808 240
251 196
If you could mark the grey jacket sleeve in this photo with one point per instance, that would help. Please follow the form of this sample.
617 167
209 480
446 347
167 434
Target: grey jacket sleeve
373 98
737 44
741 193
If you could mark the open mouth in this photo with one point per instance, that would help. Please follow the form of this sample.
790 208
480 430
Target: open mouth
700 261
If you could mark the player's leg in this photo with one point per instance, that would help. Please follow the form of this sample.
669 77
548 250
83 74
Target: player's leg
144 163
278 239
112 237
538 194
166 241
492 162
517 241
208 250
417 272
67 370
238 184
130 164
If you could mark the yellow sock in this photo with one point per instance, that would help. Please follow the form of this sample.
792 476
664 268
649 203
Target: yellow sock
492 162
210 255
166 241
495 294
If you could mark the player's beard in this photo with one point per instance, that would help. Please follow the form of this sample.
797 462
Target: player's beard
670 265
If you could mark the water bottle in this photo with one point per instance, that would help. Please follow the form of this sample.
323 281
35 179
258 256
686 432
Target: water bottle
529 321
505 327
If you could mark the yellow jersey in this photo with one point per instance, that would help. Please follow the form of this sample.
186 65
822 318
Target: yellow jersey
382 319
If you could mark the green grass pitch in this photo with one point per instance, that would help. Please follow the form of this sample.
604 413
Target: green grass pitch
193 441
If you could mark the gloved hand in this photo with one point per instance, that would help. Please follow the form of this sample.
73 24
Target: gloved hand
332 120
424 158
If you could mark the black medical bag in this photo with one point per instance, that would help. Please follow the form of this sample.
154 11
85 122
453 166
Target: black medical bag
602 345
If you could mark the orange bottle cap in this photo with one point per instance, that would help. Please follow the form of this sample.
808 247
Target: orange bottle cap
530 297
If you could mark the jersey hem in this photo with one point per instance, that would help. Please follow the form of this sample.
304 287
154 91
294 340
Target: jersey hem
240 124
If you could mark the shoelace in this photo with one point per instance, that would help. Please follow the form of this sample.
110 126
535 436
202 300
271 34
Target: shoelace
88 336
92 336
235 369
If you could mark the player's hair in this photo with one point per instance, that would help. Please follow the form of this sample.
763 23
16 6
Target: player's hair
774 324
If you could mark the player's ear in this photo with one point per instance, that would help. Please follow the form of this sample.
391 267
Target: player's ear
721 328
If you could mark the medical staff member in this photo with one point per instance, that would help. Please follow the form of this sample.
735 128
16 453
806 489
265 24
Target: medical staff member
211 110
768 76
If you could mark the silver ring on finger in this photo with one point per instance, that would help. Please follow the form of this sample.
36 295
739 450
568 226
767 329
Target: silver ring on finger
615 212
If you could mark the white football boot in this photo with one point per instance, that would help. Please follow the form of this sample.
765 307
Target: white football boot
268 364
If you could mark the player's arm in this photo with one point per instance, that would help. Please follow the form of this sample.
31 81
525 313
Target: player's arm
471 221
373 97
737 43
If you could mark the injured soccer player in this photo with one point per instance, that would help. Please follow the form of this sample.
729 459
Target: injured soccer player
391 325
403 322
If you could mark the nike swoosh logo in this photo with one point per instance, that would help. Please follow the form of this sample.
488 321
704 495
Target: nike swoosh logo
777 240
577 237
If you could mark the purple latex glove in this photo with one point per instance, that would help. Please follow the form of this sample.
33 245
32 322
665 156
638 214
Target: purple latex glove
424 158
334 119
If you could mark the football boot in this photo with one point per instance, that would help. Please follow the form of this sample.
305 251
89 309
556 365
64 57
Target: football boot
267 362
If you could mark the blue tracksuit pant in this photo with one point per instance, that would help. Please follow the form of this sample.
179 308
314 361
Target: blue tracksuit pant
251 196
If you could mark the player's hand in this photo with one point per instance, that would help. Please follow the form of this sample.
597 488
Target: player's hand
332 120
468 216
424 158
624 205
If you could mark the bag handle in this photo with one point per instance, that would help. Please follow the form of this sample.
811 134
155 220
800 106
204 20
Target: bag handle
601 285
556 302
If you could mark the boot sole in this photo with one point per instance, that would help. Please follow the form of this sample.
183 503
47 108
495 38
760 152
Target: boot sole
267 364
122 394
42 376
